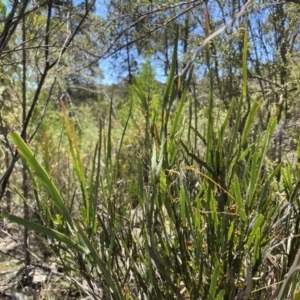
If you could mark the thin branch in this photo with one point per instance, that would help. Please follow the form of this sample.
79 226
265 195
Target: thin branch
10 25
212 36
5 178
107 52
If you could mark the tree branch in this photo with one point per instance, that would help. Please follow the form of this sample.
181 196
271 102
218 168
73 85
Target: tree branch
5 178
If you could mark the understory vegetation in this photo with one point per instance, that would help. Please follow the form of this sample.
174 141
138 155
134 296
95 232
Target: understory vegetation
165 201
150 190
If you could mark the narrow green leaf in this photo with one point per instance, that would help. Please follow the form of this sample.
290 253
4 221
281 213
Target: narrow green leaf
225 123
153 160
161 157
214 282
253 179
221 295
287 179
230 231
94 187
198 159
234 138
141 95
112 283
183 205
46 153
254 229
42 176
249 121
169 84
56 235
140 178
178 116
154 111
238 198
213 208
198 134
257 243
245 152
75 153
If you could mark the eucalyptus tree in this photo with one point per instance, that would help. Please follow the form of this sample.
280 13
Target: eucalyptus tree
139 29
